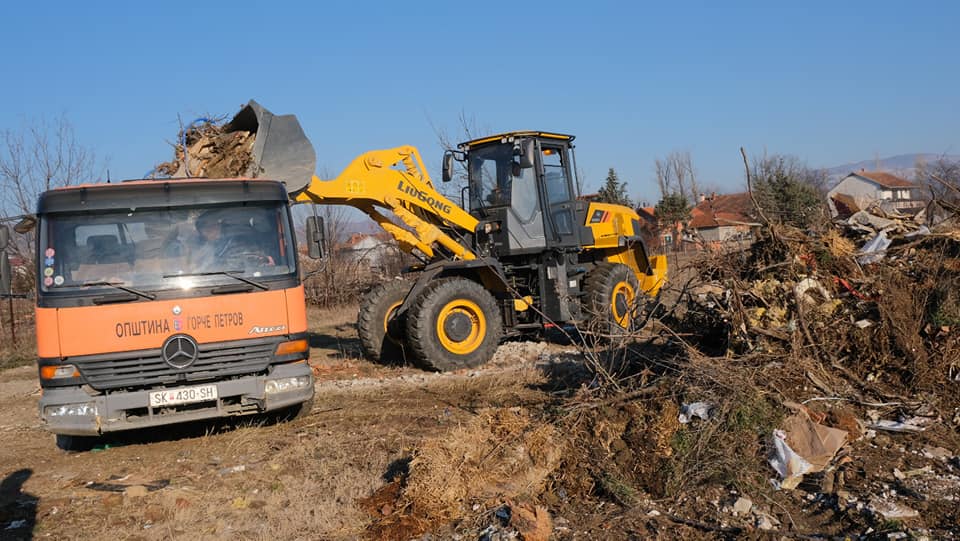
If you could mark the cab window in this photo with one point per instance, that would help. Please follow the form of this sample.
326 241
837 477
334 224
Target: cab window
555 174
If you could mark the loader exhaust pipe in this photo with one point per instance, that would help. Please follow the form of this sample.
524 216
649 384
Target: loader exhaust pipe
281 150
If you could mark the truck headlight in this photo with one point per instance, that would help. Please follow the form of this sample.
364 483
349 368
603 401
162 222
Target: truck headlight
71 410
283 385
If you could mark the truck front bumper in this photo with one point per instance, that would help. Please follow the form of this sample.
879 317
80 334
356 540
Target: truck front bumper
78 411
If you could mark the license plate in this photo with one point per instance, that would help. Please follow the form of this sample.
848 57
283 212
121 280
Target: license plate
184 395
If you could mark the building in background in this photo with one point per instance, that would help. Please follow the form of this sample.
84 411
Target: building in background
860 190
722 219
373 251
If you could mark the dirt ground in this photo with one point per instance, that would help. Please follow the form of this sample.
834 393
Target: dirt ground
254 480
337 474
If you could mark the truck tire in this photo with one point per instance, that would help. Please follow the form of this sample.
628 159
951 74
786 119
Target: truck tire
381 336
300 411
613 293
76 443
455 323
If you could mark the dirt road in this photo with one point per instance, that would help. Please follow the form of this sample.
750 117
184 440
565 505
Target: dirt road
258 480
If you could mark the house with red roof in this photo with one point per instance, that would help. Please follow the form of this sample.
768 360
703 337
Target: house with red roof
370 250
720 219
715 221
858 191
657 237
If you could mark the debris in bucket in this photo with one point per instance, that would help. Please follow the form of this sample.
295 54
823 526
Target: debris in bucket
207 148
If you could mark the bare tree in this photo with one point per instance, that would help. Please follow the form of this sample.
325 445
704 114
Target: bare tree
468 129
40 155
676 174
942 177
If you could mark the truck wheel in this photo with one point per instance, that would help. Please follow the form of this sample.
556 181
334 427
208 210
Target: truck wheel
381 335
299 411
76 443
455 323
613 292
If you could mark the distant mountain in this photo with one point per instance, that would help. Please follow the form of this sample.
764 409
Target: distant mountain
903 165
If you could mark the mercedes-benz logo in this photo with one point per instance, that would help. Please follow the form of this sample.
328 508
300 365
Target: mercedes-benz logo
179 351
176 310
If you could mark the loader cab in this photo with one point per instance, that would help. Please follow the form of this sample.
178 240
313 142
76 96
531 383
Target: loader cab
523 185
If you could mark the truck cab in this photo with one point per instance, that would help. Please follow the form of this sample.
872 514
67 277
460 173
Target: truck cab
164 301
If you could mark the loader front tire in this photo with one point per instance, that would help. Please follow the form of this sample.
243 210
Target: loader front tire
613 295
455 323
381 334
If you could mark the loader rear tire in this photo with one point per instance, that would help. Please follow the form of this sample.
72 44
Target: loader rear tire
381 334
455 323
613 296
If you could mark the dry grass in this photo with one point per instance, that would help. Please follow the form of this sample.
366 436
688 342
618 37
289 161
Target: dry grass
501 453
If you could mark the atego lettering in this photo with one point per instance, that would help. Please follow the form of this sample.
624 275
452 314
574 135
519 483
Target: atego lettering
144 326
424 196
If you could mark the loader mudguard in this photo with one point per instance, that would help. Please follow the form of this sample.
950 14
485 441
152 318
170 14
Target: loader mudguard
486 271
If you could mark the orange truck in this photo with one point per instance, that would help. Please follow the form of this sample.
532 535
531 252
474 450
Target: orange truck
165 301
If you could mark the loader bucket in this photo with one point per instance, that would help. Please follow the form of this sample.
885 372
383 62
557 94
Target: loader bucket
281 151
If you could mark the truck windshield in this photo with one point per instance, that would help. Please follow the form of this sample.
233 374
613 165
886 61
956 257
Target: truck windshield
156 249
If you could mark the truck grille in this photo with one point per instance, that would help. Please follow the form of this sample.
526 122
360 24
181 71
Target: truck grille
147 368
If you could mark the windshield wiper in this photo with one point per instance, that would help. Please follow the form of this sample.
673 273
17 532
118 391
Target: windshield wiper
235 274
121 287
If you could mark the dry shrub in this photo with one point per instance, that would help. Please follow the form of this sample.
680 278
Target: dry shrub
619 452
838 245
501 453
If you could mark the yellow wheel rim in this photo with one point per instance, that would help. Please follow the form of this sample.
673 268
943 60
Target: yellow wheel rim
461 326
621 303
386 320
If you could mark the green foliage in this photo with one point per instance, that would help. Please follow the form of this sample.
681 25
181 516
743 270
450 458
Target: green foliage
753 414
673 208
788 191
614 191
618 489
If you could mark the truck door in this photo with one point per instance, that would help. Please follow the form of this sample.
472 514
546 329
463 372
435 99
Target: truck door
562 231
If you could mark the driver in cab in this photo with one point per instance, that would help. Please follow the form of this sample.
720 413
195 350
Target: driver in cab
215 246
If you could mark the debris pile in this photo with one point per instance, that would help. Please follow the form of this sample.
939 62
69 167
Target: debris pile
493 465
210 148
876 297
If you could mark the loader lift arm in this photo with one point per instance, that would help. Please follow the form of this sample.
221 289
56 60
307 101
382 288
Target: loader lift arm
396 180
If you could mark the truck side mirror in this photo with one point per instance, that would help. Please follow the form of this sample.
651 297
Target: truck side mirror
526 153
4 237
316 237
5 274
447 166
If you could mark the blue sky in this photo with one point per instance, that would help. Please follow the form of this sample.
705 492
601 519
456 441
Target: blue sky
830 82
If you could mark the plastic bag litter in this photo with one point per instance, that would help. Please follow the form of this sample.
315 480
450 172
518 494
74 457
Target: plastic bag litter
786 462
875 249
909 425
924 230
696 409
803 446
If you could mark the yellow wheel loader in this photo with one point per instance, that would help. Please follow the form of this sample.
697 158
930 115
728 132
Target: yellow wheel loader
520 253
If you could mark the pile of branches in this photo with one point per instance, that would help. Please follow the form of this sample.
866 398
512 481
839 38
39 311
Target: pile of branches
206 148
892 319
